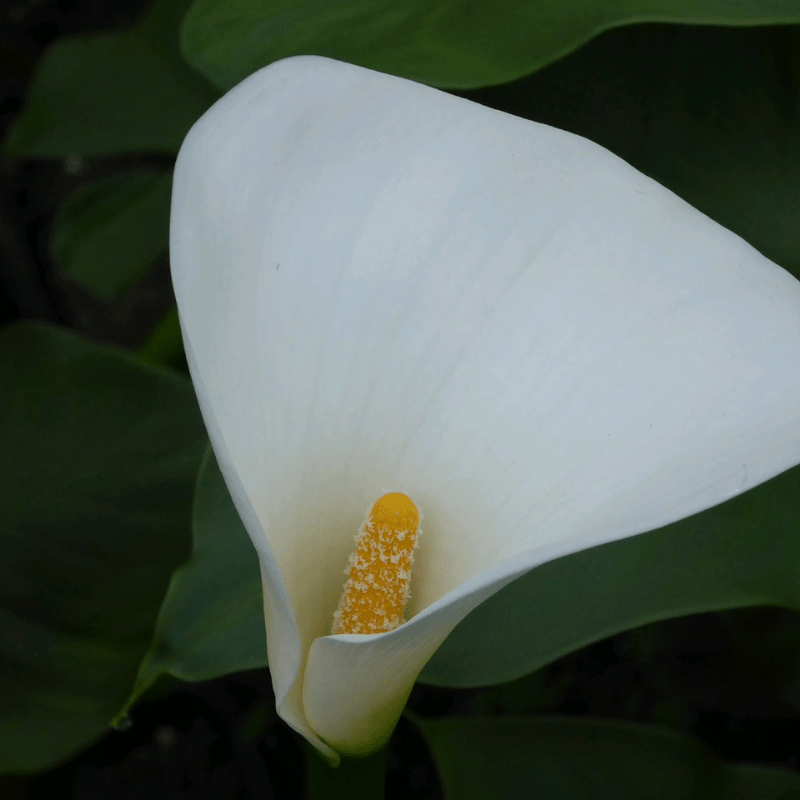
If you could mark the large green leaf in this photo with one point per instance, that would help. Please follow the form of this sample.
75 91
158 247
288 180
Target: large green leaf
112 93
711 113
458 44
110 233
745 552
212 619
99 457
570 759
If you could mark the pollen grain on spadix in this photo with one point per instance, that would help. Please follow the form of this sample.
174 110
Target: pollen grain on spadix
379 574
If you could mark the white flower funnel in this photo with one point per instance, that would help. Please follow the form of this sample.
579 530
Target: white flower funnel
383 287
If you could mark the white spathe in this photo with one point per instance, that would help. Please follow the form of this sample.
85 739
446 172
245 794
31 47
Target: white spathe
384 287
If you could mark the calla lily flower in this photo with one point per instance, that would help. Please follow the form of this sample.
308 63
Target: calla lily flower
383 288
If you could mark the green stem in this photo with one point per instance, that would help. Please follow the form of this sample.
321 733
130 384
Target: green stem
353 779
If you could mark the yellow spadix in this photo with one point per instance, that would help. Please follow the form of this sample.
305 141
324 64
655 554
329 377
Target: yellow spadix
379 575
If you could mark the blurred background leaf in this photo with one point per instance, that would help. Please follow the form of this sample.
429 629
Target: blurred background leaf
113 92
100 454
457 45
164 345
729 677
586 759
111 232
212 619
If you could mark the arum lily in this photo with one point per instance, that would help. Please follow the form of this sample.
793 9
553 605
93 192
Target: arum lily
384 288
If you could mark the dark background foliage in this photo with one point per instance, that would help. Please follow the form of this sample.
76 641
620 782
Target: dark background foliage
31 190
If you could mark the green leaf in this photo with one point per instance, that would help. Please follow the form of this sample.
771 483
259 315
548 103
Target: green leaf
212 619
458 44
742 553
110 233
571 759
710 113
97 474
113 92
164 345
